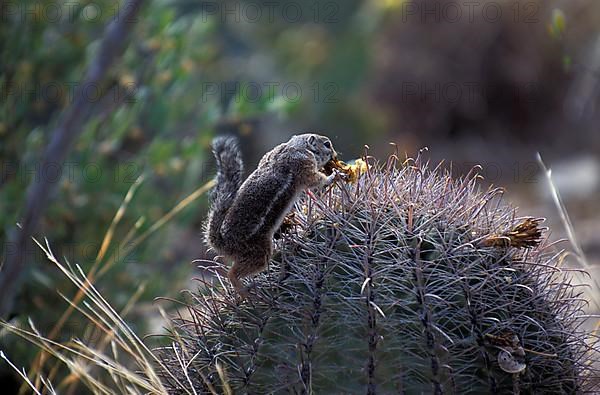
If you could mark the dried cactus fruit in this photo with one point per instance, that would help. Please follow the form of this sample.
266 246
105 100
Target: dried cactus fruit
526 234
385 288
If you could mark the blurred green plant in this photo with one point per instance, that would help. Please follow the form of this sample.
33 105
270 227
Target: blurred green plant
139 126
154 118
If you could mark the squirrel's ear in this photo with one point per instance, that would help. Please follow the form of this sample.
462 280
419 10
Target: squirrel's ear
312 139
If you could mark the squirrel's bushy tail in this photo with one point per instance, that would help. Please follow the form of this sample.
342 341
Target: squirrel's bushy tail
228 181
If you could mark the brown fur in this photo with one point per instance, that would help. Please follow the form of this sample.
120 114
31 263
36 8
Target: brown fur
242 219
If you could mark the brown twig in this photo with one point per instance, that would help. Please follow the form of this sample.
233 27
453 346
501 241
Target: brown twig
68 129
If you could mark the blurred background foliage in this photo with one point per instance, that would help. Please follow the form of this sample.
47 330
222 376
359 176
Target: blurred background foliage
363 72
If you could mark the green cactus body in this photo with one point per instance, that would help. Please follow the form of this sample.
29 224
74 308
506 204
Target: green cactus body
386 287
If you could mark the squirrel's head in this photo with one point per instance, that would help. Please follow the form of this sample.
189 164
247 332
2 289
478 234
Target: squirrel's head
319 145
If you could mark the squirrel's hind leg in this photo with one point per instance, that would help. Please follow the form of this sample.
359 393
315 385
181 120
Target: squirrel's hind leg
251 262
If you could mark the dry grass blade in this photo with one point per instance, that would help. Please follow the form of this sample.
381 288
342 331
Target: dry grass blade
22 374
40 359
564 215
566 220
97 270
132 366
127 246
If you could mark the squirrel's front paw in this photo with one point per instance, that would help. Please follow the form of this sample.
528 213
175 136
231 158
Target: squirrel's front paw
335 174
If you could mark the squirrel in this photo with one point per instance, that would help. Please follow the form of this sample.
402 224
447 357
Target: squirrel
244 216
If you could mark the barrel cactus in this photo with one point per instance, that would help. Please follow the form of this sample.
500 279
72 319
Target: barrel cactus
406 281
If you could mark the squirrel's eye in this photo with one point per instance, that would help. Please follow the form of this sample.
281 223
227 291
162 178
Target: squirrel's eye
328 144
